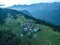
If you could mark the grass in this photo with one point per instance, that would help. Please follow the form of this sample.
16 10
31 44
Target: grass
45 37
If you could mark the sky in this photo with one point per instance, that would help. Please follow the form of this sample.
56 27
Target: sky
6 3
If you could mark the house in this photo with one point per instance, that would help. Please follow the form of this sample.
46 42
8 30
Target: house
30 29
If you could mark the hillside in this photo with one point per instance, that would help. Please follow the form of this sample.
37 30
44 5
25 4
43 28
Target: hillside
4 12
23 31
20 29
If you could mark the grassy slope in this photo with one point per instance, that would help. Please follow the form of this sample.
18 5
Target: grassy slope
46 35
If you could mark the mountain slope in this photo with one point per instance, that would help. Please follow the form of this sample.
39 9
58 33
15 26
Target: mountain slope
26 14
4 12
44 36
44 11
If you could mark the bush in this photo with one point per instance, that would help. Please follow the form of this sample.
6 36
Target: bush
8 38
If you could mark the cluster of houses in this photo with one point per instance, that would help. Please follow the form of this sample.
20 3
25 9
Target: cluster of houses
30 29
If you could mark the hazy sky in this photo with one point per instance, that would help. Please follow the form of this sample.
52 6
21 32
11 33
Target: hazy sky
13 2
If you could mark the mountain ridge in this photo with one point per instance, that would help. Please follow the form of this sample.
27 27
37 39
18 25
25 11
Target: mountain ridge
44 11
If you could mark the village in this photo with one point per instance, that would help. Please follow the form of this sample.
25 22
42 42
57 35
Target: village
30 29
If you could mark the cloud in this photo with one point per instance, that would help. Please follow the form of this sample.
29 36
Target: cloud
13 2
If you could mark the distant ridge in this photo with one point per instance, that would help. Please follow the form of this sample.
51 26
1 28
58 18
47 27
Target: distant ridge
44 11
